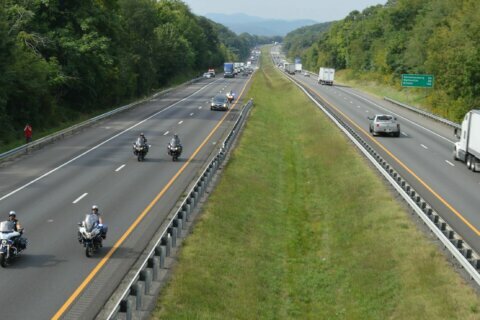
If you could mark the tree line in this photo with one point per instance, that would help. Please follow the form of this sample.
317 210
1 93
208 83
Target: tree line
438 37
63 59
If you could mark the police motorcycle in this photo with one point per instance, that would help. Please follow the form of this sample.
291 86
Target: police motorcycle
91 234
11 242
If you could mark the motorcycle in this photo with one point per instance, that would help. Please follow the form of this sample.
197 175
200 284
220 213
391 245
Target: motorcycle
230 97
140 149
90 234
11 242
175 151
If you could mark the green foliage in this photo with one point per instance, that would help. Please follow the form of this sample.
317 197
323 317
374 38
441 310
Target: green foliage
61 60
437 37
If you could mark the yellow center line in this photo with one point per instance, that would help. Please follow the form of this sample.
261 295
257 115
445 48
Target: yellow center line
139 219
439 197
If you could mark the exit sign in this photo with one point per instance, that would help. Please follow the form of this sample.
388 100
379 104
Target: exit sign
417 80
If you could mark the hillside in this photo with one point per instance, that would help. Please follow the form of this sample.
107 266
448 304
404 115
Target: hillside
438 37
242 23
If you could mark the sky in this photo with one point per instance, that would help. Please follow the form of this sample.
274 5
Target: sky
318 10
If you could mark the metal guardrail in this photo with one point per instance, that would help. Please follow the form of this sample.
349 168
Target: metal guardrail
70 130
424 113
460 250
131 299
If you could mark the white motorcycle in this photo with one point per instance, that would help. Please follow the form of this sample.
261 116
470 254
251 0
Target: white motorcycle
11 243
90 234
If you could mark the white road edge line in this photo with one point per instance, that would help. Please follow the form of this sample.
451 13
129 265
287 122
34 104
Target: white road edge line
450 163
424 146
80 198
398 116
180 122
120 168
101 144
406 135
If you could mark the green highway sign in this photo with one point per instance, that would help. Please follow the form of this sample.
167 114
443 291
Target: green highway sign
417 80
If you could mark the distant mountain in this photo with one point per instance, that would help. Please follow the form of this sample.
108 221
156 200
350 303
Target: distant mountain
240 23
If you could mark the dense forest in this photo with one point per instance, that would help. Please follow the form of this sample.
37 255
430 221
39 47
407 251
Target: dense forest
63 59
299 42
438 37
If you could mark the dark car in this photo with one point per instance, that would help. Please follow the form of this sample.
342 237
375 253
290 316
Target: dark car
219 102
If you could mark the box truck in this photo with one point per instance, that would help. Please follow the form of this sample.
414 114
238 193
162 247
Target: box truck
326 76
228 70
289 68
468 148
298 65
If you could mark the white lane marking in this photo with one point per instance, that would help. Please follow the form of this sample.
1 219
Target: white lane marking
406 135
191 114
101 144
80 198
200 107
424 146
399 116
166 133
180 122
50 220
351 102
358 106
120 168
367 111
107 128
450 163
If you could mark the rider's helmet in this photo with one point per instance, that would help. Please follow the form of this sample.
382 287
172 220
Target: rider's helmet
142 135
95 208
12 214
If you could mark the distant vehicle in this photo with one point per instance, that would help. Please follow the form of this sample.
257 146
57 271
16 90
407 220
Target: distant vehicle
228 71
289 68
326 76
298 65
306 74
212 72
219 102
468 148
383 123
207 75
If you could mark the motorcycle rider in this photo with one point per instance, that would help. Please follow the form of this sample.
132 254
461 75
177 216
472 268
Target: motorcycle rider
18 241
100 221
143 141
175 142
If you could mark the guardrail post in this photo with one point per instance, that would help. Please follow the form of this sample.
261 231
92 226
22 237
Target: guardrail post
178 223
174 234
137 292
126 306
154 264
167 243
146 277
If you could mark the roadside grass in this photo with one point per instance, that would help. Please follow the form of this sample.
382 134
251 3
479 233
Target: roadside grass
301 227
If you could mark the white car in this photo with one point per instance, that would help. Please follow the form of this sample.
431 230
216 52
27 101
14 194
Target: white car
306 74
207 75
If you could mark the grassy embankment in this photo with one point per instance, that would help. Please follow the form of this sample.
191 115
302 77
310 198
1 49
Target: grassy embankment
301 227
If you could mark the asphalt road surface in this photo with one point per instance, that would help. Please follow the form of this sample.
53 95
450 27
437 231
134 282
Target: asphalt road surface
53 188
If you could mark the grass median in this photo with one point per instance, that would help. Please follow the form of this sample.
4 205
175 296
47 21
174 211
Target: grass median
300 226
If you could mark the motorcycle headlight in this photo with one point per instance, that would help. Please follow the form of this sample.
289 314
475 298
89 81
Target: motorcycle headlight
225 105
4 242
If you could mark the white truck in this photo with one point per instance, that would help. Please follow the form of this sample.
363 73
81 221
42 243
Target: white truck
326 76
468 148
298 67
289 68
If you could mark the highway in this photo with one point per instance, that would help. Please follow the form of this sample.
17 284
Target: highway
422 154
52 189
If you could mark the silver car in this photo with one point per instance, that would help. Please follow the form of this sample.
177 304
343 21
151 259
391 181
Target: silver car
383 123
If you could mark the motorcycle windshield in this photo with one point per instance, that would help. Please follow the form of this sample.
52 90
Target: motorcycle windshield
7 226
90 222
174 142
139 142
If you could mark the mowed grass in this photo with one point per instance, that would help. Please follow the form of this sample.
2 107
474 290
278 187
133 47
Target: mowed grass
301 227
